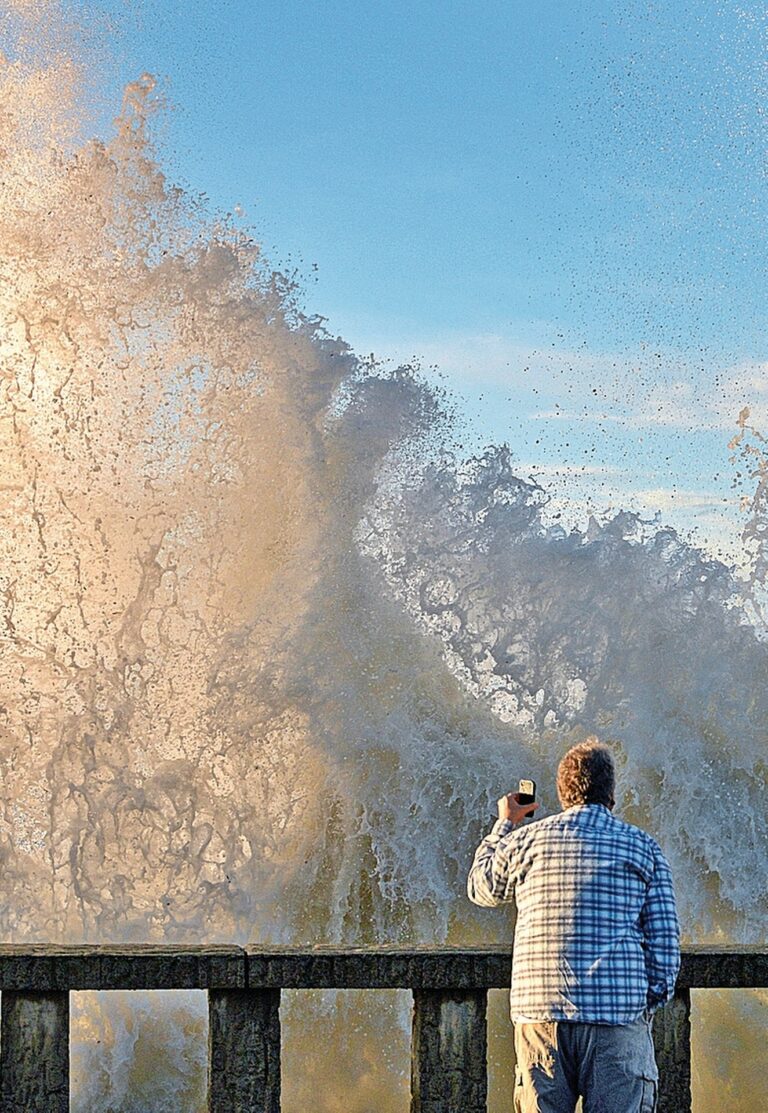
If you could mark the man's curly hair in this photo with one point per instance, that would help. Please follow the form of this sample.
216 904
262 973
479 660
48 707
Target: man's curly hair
587 775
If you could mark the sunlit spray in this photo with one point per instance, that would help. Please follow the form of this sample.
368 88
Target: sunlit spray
271 648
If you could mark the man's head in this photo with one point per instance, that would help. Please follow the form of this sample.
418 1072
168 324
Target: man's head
586 775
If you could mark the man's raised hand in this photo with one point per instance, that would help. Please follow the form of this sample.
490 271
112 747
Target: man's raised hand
512 810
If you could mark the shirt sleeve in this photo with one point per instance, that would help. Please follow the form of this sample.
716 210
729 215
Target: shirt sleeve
661 933
490 882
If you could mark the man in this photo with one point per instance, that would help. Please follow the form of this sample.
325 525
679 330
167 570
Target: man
597 942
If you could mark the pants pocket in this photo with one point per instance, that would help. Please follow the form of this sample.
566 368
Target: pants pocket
650 1094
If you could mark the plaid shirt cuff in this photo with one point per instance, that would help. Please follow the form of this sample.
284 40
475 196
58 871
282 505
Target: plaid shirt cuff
502 827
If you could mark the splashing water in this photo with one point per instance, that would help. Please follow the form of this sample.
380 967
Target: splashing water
261 629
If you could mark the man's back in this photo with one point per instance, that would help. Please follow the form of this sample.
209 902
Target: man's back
596 933
597 944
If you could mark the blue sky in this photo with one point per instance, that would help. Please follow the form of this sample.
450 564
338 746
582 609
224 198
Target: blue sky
561 205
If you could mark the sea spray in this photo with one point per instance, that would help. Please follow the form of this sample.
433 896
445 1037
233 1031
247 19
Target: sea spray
271 645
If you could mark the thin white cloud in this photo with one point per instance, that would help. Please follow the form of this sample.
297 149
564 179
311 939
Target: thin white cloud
642 389
559 470
485 359
593 417
671 498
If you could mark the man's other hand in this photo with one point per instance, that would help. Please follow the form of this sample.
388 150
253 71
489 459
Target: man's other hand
512 810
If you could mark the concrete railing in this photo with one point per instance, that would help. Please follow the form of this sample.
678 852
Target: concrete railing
449 986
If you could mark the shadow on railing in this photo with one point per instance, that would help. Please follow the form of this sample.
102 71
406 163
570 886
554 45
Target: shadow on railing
448 1046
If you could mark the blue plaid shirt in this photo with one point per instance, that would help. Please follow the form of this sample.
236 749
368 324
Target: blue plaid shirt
597 937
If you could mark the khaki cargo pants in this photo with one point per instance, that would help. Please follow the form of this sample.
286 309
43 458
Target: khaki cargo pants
612 1067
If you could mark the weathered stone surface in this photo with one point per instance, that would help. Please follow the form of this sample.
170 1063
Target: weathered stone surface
379 967
131 966
244 1051
448 1064
149 966
449 1052
735 968
34 1053
672 1041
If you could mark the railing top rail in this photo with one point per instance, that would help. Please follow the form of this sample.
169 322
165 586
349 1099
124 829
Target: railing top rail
47 967
43 967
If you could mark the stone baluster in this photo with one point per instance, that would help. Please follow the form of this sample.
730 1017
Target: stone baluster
34 1052
244 1051
449 1052
672 1041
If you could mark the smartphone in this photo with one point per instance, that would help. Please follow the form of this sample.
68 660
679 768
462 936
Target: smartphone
526 794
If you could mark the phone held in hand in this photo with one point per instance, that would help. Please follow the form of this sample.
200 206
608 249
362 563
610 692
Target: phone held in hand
526 794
